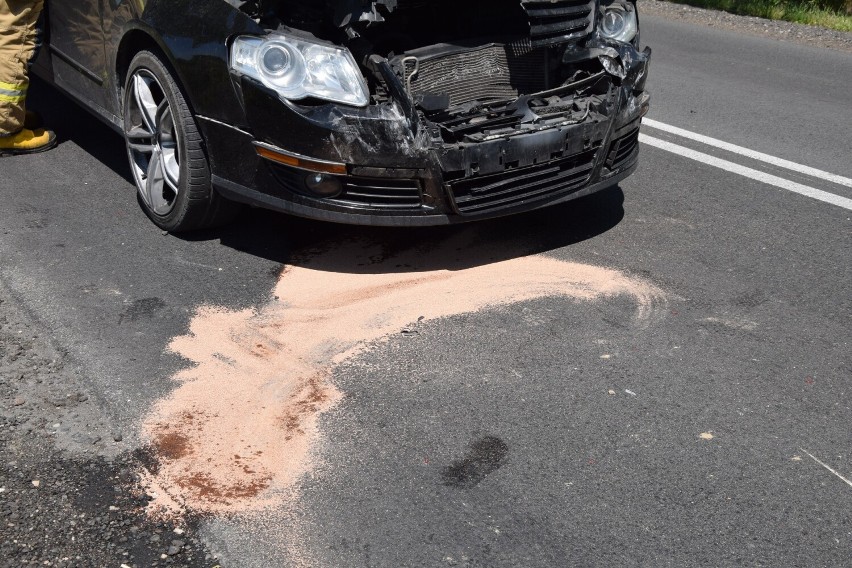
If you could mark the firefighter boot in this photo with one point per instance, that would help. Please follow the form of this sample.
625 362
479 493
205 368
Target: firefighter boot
27 142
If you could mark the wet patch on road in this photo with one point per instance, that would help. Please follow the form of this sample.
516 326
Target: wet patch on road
486 455
146 308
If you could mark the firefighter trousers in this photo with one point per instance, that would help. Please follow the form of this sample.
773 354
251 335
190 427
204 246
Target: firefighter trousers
18 34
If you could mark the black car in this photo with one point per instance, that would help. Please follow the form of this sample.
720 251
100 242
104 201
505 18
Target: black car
395 112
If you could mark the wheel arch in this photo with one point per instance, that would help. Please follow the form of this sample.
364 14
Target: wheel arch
138 39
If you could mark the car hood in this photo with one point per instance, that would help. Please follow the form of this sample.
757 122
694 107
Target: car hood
344 13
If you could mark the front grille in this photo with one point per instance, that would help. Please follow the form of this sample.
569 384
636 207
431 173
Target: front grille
494 71
623 150
382 193
522 185
364 192
559 21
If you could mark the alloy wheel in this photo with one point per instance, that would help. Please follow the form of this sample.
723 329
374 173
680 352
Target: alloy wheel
152 142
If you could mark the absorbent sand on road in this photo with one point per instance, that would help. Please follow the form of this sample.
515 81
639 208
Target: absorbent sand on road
236 433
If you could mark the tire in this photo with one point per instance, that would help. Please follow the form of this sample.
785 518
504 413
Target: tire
166 152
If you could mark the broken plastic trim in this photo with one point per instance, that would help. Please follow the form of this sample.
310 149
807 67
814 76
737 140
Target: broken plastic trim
568 87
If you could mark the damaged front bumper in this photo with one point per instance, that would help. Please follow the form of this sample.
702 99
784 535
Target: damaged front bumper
417 158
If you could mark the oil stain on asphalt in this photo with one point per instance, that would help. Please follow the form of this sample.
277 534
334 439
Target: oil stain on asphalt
486 455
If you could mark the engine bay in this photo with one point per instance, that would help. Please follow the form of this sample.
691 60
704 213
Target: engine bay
470 70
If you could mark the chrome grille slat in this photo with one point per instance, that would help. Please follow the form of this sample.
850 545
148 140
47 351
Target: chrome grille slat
622 150
559 21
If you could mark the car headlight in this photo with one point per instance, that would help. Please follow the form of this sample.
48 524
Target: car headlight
619 22
298 69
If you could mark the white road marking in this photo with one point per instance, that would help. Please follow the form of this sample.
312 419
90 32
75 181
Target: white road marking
781 163
732 167
849 483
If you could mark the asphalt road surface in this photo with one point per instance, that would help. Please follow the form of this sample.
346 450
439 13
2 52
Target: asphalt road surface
706 426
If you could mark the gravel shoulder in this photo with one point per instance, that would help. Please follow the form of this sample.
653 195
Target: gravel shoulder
786 31
68 491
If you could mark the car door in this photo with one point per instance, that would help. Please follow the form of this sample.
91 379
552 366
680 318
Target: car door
77 51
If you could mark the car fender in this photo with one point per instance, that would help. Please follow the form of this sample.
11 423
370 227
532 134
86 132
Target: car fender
192 36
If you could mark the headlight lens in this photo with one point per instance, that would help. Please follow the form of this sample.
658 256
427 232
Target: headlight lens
297 69
619 22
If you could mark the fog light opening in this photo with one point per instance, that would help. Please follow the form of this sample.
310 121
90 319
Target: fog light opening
323 185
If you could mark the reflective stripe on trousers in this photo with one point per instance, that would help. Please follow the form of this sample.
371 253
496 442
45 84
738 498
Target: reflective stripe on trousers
18 38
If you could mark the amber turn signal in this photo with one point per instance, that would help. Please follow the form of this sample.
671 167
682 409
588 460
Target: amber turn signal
295 160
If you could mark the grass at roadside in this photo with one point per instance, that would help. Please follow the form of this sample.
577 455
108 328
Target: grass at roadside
800 11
